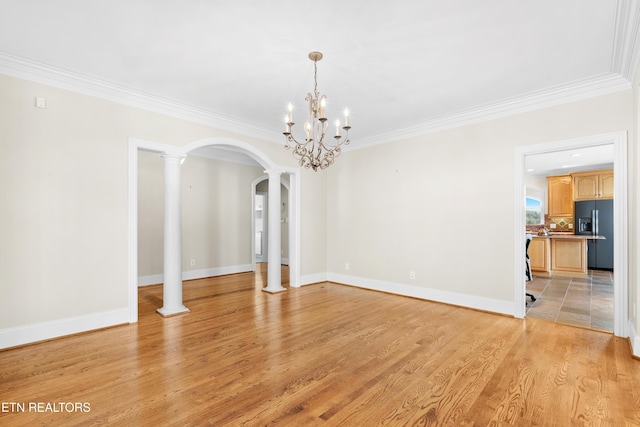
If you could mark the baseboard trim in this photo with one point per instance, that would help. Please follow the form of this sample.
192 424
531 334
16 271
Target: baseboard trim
634 340
26 334
453 298
310 279
156 279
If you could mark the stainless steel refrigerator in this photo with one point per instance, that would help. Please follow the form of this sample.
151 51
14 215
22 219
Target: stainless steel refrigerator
595 217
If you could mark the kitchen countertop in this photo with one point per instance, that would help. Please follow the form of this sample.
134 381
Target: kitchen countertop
568 236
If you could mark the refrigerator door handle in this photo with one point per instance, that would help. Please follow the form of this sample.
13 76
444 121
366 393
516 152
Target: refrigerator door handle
596 231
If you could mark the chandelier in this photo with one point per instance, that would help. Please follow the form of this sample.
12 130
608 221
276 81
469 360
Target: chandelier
315 151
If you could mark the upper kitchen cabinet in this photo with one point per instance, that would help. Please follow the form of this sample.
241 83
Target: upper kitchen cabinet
593 185
560 195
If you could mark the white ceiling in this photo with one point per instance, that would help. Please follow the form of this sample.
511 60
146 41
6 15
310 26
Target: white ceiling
401 67
567 161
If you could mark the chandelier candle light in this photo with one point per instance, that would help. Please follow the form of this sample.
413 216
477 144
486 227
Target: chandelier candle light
314 152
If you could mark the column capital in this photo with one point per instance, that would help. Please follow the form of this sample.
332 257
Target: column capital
273 172
173 155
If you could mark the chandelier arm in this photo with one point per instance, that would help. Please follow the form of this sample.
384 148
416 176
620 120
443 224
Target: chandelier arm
339 143
302 154
291 138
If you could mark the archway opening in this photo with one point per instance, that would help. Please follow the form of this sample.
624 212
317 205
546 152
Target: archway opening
228 146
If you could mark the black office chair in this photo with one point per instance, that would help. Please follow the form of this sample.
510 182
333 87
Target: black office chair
528 265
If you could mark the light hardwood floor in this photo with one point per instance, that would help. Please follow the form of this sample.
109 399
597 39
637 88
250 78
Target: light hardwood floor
324 354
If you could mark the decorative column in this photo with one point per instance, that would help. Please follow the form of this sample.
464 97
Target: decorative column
274 279
172 288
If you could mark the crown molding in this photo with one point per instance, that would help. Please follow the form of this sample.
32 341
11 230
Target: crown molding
626 39
625 62
603 84
63 79
549 97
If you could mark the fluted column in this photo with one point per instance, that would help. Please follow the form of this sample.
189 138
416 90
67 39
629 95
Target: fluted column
172 288
274 279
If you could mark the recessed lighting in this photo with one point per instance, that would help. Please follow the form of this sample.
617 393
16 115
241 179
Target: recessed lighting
575 155
530 170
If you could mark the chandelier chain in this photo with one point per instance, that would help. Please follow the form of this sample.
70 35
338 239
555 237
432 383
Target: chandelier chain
315 77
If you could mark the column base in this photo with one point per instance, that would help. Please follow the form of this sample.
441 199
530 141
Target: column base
166 312
274 290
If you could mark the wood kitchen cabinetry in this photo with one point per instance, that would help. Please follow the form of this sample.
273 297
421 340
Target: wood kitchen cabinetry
593 185
569 257
559 255
539 256
560 195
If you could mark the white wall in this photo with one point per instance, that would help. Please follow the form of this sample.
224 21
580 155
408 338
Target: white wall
63 180
150 217
442 205
216 216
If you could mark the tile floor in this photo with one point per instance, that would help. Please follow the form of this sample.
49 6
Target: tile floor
578 302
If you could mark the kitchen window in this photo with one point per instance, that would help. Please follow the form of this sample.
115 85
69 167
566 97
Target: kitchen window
533 210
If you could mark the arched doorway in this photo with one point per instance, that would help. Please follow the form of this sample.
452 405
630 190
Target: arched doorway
249 151
259 213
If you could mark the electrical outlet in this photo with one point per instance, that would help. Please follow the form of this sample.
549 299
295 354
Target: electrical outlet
412 275
193 262
346 266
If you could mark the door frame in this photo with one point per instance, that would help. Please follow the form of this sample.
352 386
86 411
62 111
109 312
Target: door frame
620 231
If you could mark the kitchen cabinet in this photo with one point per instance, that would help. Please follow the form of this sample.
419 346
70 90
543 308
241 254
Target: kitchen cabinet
593 185
539 256
559 254
560 196
569 257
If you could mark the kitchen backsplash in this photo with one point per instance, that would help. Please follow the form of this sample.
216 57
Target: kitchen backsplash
562 225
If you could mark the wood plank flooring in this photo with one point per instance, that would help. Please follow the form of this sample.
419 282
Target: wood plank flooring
324 354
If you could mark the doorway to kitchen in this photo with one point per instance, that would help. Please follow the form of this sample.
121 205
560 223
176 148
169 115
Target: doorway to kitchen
618 141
